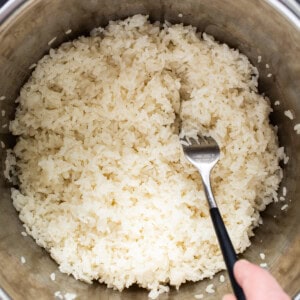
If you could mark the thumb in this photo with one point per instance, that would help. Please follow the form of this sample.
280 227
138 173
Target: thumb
229 297
257 283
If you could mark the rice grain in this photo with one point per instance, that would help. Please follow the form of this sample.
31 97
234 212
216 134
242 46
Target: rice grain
289 114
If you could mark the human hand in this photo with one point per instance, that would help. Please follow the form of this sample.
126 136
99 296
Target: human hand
257 283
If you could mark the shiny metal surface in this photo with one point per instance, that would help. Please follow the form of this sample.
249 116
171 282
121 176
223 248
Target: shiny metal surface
265 28
203 153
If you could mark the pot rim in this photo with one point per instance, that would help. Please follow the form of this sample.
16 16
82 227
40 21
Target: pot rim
290 9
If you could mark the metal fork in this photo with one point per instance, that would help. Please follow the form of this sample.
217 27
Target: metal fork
204 153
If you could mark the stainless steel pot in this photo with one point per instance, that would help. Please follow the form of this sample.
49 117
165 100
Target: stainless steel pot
266 28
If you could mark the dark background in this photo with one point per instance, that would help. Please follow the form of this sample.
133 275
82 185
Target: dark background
2 2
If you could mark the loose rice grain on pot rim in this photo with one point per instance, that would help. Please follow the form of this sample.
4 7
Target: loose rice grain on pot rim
103 183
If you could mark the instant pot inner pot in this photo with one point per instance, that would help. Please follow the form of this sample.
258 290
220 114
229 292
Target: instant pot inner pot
256 28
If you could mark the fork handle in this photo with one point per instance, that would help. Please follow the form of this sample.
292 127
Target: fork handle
228 252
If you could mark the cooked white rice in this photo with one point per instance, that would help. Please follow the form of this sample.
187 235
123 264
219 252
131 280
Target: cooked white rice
23 260
210 289
262 256
103 183
284 191
52 276
297 128
52 41
289 114
66 296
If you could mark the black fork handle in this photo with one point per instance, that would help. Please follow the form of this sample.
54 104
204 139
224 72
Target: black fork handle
227 249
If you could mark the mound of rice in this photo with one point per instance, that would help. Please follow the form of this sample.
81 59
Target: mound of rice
103 182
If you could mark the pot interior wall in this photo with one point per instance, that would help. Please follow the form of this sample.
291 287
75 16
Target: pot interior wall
254 27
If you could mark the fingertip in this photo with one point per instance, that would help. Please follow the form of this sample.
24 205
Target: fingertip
240 266
229 297
249 275
241 263
244 270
